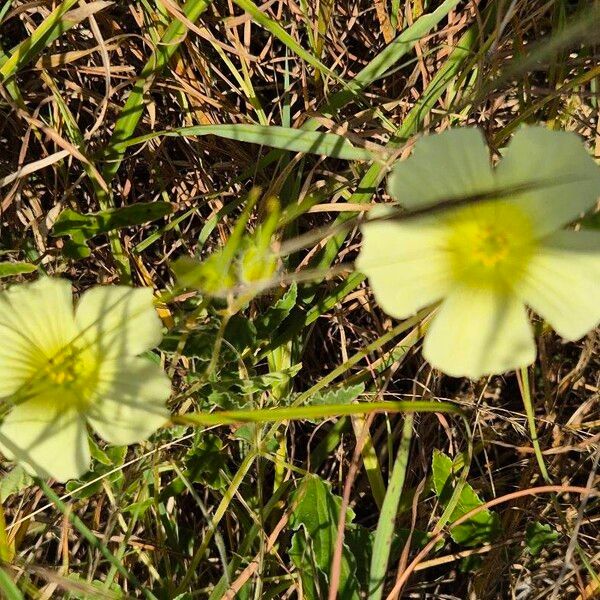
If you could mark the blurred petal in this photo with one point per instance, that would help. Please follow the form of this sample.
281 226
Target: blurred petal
405 261
36 321
19 359
119 320
563 282
452 164
568 178
130 405
478 332
46 441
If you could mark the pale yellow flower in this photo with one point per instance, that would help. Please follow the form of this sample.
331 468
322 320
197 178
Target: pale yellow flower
61 369
485 262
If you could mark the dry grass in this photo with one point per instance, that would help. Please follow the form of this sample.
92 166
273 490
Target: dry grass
533 62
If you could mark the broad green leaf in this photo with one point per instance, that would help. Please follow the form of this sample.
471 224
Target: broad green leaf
206 463
8 269
537 536
106 463
240 333
315 518
82 227
479 529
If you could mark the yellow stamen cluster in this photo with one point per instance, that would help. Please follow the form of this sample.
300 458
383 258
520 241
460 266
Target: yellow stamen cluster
489 244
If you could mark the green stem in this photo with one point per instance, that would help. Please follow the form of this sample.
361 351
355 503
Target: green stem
530 411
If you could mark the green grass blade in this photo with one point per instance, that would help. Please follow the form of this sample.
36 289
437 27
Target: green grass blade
326 411
134 107
285 138
283 36
59 21
387 517
8 587
388 57
132 112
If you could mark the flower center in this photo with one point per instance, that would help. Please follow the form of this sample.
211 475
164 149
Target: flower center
67 378
65 368
490 243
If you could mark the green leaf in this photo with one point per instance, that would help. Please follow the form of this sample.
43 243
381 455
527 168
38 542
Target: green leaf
207 462
212 276
8 269
537 536
343 395
276 314
91 224
106 461
15 481
315 518
240 333
479 529
82 227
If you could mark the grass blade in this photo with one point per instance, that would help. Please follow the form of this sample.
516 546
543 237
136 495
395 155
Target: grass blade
285 138
387 517
326 411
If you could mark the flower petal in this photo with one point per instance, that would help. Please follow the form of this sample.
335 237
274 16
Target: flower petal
46 441
563 282
568 178
119 320
479 331
405 262
131 401
36 321
452 164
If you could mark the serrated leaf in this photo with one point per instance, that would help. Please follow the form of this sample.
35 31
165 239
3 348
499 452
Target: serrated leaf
537 536
344 395
240 333
315 518
276 314
479 529
206 463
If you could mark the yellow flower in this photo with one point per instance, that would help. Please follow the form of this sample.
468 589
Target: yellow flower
488 260
62 368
